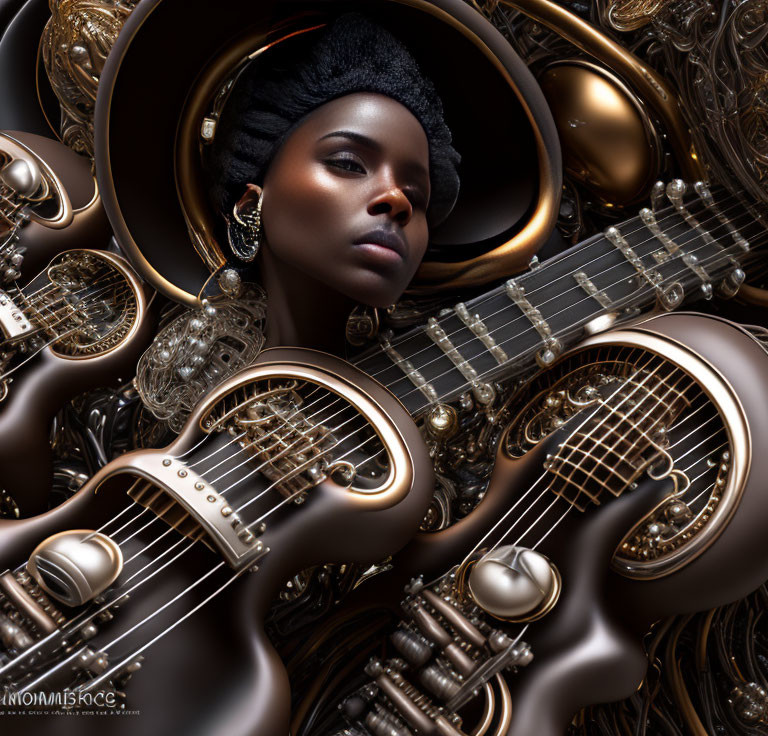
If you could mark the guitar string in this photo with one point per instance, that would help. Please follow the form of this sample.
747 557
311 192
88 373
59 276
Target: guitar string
574 328
643 291
544 475
563 333
241 406
132 656
36 352
578 256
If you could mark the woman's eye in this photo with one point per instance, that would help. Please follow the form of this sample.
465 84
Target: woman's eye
346 163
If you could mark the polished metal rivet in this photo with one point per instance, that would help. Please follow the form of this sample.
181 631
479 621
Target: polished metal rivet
166 462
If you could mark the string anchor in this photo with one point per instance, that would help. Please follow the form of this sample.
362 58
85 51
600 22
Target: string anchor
515 584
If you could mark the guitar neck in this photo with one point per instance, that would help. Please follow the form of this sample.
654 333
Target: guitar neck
659 259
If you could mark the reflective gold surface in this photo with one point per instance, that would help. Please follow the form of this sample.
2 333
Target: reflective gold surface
644 80
609 143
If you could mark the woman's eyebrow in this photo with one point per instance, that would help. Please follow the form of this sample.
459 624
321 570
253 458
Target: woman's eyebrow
356 137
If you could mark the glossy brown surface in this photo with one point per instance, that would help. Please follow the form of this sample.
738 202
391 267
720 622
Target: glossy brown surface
38 393
589 648
218 674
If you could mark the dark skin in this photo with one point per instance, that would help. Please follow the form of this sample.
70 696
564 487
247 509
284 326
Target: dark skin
344 217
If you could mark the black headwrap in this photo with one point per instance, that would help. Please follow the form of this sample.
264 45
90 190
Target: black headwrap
288 81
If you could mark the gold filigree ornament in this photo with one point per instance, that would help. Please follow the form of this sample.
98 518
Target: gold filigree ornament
74 48
629 15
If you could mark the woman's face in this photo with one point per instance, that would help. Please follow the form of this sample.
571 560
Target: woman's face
345 198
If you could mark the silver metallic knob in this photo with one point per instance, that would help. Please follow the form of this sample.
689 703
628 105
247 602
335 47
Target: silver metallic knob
22 176
75 566
514 583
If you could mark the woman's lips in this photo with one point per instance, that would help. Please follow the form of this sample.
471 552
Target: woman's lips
384 246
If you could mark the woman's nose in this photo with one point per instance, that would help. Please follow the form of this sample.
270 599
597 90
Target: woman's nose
393 202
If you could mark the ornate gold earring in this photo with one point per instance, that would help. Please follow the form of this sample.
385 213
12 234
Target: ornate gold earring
244 230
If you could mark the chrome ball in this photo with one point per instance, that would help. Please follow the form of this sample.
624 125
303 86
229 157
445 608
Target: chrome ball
513 583
22 176
76 566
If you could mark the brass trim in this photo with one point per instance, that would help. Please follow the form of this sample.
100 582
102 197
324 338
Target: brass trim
368 408
753 295
651 87
152 275
715 385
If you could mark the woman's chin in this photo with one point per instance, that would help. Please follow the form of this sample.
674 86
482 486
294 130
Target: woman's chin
375 290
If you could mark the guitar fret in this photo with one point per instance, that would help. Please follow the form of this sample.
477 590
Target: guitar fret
669 297
690 260
670 246
481 332
413 375
552 346
675 192
483 392
516 335
706 196
591 290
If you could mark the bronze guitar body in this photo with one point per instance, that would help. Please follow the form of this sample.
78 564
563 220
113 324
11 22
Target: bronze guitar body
56 374
588 648
216 672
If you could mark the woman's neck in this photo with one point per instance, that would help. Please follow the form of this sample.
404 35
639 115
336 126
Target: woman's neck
301 311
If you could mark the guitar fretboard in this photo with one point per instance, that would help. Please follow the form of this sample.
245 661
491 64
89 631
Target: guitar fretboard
657 259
